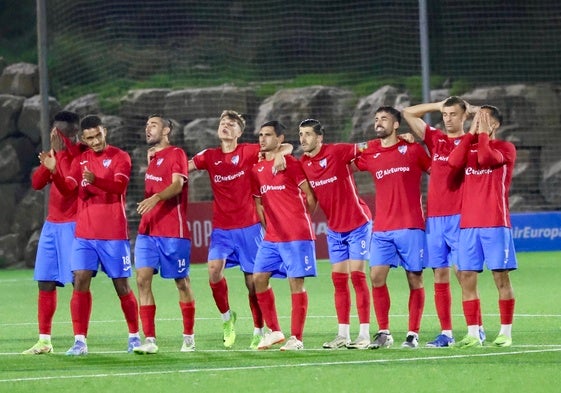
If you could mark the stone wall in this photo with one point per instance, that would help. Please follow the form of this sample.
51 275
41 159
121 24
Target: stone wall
532 121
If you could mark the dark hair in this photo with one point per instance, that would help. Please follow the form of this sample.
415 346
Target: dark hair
392 111
165 121
315 124
494 112
90 121
455 100
67 117
280 128
237 117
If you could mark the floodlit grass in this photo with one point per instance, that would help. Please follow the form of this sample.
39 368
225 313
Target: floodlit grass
531 364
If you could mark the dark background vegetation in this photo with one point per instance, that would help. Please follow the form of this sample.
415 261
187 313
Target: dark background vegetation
272 40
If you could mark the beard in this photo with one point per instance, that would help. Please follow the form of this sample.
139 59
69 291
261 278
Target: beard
152 141
382 133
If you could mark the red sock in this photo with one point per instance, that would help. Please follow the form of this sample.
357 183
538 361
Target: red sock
416 307
148 317
46 307
129 305
342 297
255 311
188 314
362 296
506 310
88 310
267 305
382 303
80 309
472 311
479 316
443 303
220 294
299 311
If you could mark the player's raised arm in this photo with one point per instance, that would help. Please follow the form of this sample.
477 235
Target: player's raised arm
279 160
458 156
65 183
413 116
487 156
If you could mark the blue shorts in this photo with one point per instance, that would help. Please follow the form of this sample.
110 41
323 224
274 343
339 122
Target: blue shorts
287 259
54 251
171 255
492 247
443 236
403 247
114 256
353 244
237 246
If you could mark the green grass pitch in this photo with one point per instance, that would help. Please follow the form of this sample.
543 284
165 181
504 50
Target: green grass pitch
532 364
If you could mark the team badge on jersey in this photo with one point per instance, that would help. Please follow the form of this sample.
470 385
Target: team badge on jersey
402 149
323 162
456 142
236 159
106 163
159 162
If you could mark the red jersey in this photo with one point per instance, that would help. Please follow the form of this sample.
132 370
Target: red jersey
331 177
168 218
286 211
62 205
488 166
396 172
101 213
230 180
445 184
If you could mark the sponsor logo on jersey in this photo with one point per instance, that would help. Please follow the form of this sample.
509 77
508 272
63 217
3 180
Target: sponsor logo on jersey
148 176
267 187
318 183
478 172
390 171
438 157
220 178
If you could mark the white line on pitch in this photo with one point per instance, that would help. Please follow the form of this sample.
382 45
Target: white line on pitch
275 366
